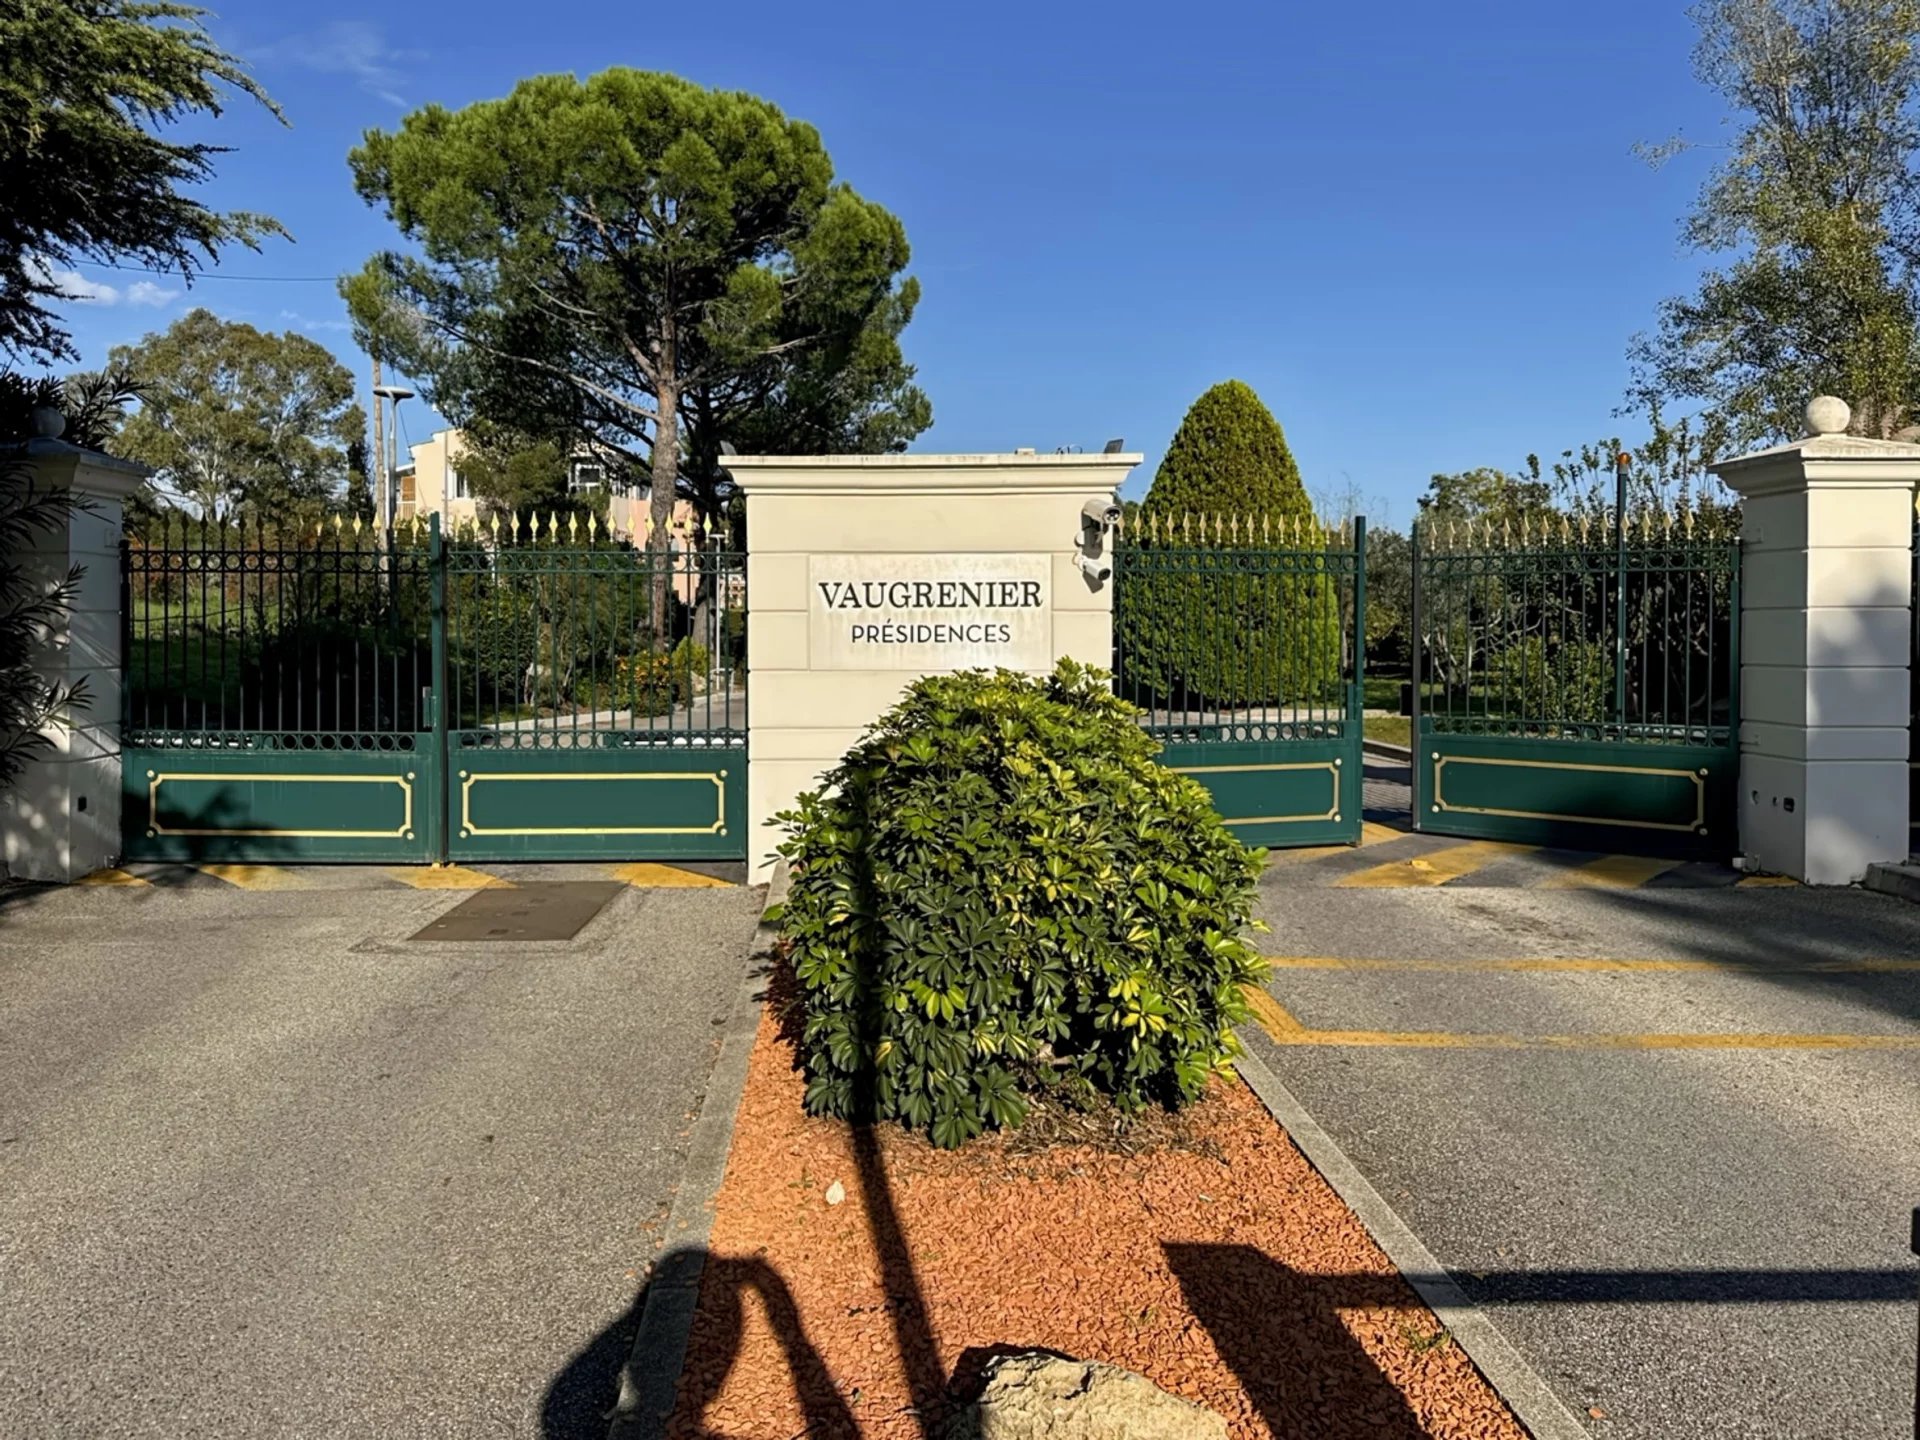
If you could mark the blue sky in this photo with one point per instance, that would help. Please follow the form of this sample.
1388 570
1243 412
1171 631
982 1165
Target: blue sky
1418 230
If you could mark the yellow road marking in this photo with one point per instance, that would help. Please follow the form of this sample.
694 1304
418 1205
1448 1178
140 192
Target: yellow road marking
1436 868
1306 852
257 877
1449 1040
1611 872
1370 834
666 877
1589 965
1764 882
1271 1014
111 877
1284 1029
445 877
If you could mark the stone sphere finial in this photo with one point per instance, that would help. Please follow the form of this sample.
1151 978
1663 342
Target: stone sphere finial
48 423
1828 415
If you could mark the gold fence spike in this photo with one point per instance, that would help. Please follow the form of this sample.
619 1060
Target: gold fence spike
573 526
338 524
356 524
553 526
1506 532
1583 527
1566 530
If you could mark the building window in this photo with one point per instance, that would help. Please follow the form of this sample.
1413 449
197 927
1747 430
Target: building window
461 490
587 479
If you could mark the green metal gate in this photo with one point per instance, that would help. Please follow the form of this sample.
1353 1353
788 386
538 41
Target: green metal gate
343 695
1240 642
581 739
1578 687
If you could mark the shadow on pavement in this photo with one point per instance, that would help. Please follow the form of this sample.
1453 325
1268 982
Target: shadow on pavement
1279 1331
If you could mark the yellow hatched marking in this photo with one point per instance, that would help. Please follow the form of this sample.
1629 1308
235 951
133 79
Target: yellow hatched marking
1764 882
1434 869
1611 872
1373 833
666 877
446 877
111 877
257 877
1583 965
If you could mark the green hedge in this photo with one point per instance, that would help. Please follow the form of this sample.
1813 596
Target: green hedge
999 891
1230 627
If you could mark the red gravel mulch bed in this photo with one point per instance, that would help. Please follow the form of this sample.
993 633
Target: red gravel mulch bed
1201 1250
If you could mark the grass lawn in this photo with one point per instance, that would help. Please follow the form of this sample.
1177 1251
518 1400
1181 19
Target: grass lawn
1393 729
1382 692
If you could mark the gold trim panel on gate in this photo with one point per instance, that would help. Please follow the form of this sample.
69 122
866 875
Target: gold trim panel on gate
155 779
1332 767
1698 780
469 780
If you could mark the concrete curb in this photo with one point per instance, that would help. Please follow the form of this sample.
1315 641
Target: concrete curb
1542 1412
1381 750
651 1374
1900 881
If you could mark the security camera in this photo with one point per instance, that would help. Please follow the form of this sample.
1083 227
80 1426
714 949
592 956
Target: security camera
1097 571
1100 516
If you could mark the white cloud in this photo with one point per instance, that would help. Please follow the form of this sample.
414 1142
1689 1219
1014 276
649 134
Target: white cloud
145 292
71 284
307 322
357 48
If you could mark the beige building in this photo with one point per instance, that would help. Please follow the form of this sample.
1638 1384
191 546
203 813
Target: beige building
432 482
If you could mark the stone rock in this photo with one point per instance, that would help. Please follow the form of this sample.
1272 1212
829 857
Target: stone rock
1036 1396
836 1192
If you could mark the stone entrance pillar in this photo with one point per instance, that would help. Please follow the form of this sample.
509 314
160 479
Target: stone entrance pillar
1826 641
865 572
61 819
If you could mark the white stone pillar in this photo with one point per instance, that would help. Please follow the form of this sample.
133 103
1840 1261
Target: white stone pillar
61 819
1826 642
967 560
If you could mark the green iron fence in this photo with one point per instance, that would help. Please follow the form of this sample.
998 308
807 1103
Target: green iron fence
522 693
1239 641
1577 684
1913 709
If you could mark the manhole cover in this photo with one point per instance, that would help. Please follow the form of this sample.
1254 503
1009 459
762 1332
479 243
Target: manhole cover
555 910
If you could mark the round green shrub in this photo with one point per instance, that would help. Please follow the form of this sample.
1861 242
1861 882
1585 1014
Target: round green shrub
1000 891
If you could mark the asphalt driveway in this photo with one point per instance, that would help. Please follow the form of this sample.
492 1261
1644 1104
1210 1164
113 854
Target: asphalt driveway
268 1169
1666 1131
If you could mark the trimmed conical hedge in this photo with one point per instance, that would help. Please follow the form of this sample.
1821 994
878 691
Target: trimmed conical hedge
1229 457
1210 633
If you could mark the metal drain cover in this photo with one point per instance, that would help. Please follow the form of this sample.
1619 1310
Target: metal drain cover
552 910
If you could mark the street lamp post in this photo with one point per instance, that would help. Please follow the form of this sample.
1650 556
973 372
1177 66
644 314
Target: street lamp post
390 463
